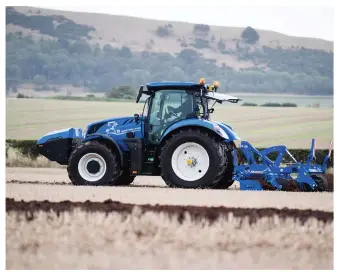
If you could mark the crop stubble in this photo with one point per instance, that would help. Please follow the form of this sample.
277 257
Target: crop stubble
112 235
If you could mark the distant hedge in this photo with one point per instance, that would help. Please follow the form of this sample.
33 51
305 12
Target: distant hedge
274 104
249 104
271 104
25 147
28 149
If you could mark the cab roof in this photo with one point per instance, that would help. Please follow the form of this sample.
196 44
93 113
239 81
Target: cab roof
155 86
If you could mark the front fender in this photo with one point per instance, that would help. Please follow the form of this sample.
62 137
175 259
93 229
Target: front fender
103 137
222 130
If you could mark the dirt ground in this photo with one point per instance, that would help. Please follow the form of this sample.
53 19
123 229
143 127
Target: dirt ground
53 185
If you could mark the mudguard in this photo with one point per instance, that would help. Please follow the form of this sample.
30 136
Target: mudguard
220 129
58 145
100 137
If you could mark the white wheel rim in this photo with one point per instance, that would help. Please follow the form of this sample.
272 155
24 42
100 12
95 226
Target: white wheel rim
83 167
190 161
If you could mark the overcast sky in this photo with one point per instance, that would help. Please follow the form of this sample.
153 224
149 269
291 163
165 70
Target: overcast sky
296 21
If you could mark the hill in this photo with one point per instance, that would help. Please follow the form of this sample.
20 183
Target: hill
98 51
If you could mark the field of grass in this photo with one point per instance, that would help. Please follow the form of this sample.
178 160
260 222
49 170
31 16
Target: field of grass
261 126
300 100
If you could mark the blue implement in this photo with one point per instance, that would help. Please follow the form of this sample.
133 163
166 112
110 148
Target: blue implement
259 172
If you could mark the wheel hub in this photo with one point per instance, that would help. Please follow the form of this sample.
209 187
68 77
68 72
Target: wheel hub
93 167
190 161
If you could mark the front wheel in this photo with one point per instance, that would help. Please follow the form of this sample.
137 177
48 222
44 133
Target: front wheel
124 180
92 163
192 159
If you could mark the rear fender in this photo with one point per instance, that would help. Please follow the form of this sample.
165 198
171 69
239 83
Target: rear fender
221 130
58 145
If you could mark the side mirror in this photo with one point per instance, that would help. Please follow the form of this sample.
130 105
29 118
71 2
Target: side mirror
139 93
136 117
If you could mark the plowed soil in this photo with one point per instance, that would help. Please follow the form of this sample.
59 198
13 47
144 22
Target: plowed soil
53 185
197 213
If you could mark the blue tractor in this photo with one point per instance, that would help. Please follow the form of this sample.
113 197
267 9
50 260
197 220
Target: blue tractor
176 139
173 138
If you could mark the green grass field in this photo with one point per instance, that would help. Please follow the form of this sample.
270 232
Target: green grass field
261 126
300 100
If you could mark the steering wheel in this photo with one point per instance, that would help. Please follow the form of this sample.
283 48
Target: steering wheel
170 112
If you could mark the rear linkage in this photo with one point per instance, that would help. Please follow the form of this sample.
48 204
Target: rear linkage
267 174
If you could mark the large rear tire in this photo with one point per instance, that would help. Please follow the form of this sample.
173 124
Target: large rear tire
192 159
92 163
227 180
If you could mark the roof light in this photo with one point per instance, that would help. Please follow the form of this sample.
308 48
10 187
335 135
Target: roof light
202 81
216 84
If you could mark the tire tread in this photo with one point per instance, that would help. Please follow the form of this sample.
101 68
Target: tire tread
218 146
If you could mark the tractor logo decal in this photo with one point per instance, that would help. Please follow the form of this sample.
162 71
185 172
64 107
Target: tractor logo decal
111 127
112 130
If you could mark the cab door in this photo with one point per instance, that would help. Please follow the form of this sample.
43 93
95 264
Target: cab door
167 107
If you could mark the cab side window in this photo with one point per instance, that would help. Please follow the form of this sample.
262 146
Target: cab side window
168 106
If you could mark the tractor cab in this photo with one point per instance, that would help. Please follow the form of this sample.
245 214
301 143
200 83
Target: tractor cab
171 102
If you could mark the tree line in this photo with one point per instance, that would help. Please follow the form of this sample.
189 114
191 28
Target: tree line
48 62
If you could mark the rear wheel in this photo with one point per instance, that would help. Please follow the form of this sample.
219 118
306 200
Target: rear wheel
192 159
227 180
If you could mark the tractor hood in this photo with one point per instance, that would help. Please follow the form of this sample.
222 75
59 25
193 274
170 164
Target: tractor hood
115 128
58 145
104 124
117 119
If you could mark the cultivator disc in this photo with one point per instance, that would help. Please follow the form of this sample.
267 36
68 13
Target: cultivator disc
329 178
287 185
324 182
